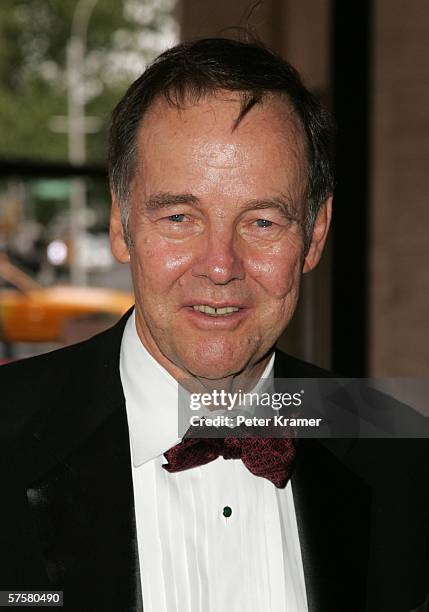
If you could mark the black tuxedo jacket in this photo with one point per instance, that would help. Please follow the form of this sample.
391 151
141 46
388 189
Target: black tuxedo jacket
67 511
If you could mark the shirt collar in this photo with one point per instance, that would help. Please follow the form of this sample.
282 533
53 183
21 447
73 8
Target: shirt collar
151 397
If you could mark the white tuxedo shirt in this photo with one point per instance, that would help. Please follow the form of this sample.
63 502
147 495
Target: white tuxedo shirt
192 557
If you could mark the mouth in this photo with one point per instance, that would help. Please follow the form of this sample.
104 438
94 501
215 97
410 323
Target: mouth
213 311
217 316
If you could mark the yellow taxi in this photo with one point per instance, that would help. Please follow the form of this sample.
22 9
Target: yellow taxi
32 313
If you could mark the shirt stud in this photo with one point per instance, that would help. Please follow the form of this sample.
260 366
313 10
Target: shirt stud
227 511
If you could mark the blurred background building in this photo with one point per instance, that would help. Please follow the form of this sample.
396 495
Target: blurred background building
64 65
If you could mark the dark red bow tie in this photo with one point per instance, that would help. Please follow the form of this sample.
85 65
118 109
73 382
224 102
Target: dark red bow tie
270 458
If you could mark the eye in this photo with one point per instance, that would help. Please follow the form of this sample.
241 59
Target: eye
176 218
263 223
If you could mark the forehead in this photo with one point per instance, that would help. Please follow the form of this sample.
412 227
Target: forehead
204 137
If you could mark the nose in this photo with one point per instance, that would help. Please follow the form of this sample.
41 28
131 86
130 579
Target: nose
219 261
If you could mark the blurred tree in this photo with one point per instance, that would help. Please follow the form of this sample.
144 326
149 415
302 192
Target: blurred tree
123 35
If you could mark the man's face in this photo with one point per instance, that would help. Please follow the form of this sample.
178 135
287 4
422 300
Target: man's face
216 223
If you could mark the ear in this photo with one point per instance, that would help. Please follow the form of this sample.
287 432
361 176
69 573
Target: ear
117 240
319 235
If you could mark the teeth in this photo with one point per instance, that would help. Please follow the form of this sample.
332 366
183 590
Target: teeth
215 312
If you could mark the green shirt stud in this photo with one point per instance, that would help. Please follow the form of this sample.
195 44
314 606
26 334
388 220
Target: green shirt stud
227 511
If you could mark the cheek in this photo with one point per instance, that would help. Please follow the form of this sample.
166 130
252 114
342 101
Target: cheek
159 263
156 273
278 273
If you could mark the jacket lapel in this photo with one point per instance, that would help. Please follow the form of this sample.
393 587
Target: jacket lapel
361 509
79 484
332 506
333 514
83 510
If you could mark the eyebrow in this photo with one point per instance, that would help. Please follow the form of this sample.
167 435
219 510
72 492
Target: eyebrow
283 203
162 200
166 199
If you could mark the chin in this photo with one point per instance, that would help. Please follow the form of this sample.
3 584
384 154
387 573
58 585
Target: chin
212 372
213 364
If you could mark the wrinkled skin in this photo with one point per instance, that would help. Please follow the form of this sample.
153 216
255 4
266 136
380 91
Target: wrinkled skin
217 217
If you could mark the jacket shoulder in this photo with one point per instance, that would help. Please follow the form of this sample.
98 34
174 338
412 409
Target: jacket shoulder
286 366
31 388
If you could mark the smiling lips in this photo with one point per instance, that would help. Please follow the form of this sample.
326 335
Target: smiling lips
215 312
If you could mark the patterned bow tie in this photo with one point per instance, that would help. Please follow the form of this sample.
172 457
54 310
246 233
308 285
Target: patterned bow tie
270 458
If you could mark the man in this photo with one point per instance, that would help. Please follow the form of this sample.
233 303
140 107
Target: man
221 198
